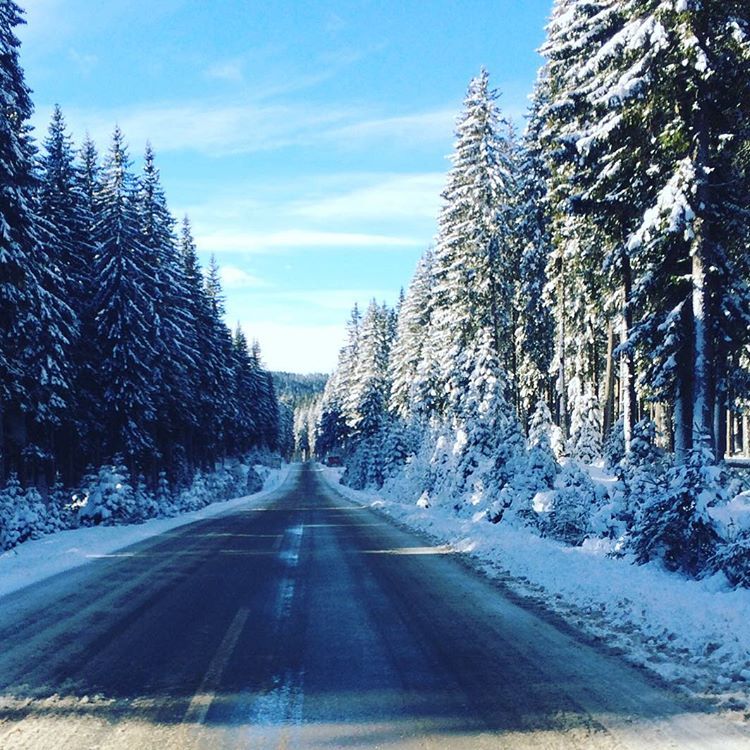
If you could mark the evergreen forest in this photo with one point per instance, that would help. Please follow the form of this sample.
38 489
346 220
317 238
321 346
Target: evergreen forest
119 380
585 305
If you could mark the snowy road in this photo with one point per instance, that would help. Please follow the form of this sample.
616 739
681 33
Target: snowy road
310 623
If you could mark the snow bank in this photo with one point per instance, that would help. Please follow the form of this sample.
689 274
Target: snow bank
36 560
695 634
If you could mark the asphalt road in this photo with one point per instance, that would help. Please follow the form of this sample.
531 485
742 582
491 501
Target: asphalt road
308 622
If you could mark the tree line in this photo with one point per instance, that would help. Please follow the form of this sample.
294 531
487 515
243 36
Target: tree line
587 293
112 338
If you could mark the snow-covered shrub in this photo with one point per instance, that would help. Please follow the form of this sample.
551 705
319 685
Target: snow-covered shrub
23 514
536 474
398 445
61 508
145 501
263 457
364 465
195 496
673 524
643 472
644 449
164 498
220 485
732 522
416 478
253 481
109 498
541 423
733 559
40 522
510 451
585 440
565 513
614 445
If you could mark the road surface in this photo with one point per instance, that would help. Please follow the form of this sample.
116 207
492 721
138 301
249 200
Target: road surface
308 622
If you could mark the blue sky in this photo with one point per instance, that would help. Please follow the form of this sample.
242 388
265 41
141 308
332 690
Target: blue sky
306 140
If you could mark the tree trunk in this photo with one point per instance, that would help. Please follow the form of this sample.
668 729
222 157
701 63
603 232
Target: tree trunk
702 421
562 385
3 449
683 399
627 368
609 384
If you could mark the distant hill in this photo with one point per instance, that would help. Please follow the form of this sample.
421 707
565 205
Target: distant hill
295 390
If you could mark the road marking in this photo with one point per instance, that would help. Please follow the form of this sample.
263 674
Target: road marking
274 716
204 696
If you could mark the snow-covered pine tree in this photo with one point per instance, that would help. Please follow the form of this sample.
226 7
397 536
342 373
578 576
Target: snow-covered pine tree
223 404
175 373
657 168
88 355
19 291
126 313
488 429
476 253
535 325
64 212
579 291
243 428
586 438
368 398
332 429
204 438
413 321
267 407
64 227
370 381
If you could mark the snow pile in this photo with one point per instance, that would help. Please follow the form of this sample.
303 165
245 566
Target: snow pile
107 497
694 633
56 553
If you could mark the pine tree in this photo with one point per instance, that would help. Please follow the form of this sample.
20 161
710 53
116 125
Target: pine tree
414 315
126 316
18 243
476 254
579 290
332 429
174 374
63 228
535 325
370 381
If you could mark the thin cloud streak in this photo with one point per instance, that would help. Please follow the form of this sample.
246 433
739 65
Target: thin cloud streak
237 278
403 196
219 129
258 242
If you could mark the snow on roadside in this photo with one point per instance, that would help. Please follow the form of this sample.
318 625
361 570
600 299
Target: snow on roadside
36 560
694 634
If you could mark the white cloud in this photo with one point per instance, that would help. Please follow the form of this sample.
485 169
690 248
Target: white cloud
405 196
260 242
219 128
237 278
337 300
297 348
407 130
228 70
86 63
206 127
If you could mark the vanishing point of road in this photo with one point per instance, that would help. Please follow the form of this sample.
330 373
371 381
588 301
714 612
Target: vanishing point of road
304 621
